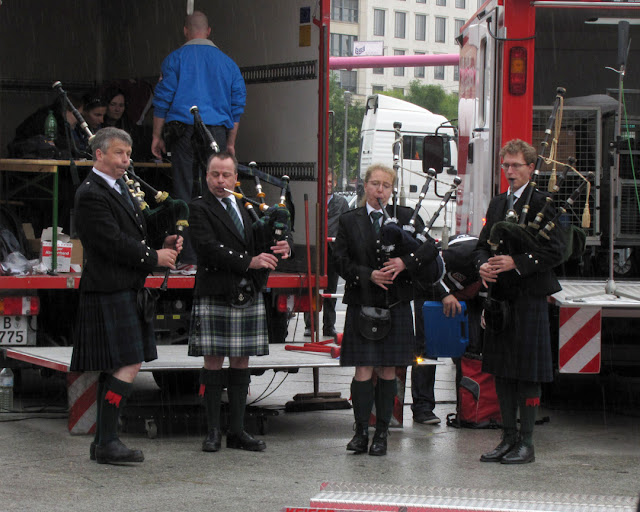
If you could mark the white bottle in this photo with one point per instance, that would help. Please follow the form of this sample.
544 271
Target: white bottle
6 390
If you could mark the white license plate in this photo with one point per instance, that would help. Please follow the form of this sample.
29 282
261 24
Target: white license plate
13 330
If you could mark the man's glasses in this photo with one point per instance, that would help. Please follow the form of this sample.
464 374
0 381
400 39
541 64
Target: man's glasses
514 166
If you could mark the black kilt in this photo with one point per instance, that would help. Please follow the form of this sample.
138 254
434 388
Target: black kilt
397 349
110 334
523 350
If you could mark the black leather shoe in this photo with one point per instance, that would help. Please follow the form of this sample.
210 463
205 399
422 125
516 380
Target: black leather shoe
519 454
329 332
92 451
379 443
498 452
115 452
360 441
245 441
213 441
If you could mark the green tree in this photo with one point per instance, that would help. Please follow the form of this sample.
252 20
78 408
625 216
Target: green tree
432 97
336 134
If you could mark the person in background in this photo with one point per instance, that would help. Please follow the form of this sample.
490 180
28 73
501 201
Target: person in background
93 109
198 73
336 206
114 330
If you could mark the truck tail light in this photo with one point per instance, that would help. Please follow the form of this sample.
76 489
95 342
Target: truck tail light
517 71
18 306
298 303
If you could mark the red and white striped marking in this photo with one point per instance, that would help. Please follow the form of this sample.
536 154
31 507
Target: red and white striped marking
81 395
580 344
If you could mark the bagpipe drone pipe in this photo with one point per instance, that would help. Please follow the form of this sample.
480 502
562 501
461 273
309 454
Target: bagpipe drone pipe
515 236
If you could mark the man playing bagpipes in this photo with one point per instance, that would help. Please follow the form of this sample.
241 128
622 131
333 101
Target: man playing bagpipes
228 319
517 270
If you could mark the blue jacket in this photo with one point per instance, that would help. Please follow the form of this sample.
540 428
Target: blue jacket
198 73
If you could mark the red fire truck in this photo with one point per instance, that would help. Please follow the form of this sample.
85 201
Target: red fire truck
282 51
514 55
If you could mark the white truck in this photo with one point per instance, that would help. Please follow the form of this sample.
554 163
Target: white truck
389 121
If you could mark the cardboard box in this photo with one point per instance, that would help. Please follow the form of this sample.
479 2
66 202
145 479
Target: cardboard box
77 253
64 250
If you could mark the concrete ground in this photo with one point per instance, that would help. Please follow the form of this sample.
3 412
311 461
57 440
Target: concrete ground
46 469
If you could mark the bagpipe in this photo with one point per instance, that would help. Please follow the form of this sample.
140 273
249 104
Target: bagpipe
514 235
275 219
169 216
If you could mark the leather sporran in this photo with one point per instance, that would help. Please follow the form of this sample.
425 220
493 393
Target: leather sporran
244 294
374 323
146 303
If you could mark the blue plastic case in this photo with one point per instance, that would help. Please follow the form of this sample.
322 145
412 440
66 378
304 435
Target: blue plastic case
444 336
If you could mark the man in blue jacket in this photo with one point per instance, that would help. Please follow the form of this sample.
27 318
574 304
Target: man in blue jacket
198 73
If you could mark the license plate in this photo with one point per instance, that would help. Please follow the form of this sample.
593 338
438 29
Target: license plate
13 330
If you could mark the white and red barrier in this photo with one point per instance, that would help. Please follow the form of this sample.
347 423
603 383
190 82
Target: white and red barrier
580 345
81 397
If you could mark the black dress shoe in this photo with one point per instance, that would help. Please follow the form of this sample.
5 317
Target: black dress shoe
379 444
498 452
329 331
519 454
213 441
245 441
360 441
115 452
92 451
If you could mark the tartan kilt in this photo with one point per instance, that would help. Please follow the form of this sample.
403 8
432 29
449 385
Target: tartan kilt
217 329
110 334
397 349
523 350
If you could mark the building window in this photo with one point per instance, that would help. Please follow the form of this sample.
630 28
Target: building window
342 45
348 80
399 89
398 71
401 25
456 73
461 4
378 71
344 10
441 24
438 72
442 3
376 89
459 25
378 22
421 27
418 71
421 1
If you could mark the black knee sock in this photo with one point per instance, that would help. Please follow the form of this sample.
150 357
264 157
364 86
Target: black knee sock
211 384
385 400
508 398
528 402
100 391
362 396
115 397
237 391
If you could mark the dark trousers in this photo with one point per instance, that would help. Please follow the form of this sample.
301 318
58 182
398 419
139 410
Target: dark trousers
328 305
189 174
423 378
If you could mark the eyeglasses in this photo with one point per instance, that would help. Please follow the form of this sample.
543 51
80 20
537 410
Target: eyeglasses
514 166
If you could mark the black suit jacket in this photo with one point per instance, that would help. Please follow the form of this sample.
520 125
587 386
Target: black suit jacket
357 253
223 255
114 238
534 275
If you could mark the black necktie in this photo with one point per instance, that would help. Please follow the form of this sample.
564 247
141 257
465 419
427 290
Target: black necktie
124 191
375 218
234 216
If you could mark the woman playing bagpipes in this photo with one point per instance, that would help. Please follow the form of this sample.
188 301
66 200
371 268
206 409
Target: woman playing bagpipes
378 332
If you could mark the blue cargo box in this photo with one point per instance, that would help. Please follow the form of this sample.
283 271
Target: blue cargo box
444 336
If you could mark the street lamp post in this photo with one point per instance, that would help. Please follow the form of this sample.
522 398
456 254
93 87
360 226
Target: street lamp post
347 102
